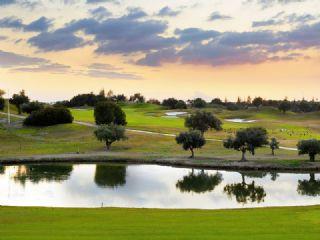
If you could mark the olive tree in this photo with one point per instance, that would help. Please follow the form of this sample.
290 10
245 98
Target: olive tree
110 134
310 147
274 144
109 112
19 99
247 140
257 102
191 140
203 121
284 106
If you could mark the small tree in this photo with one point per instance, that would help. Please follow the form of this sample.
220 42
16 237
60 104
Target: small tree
274 144
284 106
203 121
311 147
191 140
257 102
110 133
31 106
137 98
198 103
109 112
247 140
19 99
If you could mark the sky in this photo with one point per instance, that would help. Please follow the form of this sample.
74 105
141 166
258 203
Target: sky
54 49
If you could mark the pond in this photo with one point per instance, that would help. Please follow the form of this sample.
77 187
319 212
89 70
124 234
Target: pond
174 114
152 186
240 120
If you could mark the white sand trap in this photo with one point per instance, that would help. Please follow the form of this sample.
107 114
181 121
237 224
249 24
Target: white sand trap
174 114
240 120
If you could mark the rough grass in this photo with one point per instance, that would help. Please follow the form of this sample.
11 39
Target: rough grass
113 223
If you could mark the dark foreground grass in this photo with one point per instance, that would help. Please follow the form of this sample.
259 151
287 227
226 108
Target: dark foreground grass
111 223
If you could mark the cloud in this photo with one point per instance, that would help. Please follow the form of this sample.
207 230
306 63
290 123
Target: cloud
100 13
7 2
9 59
280 19
42 24
99 70
218 16
50 67
102 1
168 12
56 41
269 3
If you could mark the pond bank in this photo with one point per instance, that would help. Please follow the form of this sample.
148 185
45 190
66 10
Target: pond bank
208 163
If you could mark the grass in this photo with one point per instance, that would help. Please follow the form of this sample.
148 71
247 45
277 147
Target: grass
288 128
113 223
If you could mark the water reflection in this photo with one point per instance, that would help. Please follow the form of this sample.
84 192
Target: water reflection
152 186
2 169
199 182
309 187
42 172
111 176
247 192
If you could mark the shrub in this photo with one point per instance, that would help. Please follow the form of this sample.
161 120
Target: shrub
49 116
109 112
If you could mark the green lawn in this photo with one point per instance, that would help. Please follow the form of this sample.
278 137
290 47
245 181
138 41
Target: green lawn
288 128
112 223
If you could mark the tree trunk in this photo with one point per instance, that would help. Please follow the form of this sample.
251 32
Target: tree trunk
108 145
312 177
272 151
192 153
312 157
243 158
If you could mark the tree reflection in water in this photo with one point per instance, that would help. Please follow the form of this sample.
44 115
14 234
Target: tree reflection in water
245 192
111 176
309 187
43 172
2 169
200 182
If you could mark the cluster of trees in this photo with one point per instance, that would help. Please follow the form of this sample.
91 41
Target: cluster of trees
111 121
197 123
91 99
172 103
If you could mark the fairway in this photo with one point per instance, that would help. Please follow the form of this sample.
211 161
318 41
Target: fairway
288 128
113 223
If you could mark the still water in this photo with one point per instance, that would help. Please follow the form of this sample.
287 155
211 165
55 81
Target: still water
152 186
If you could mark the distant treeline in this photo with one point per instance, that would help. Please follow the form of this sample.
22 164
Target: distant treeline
91 99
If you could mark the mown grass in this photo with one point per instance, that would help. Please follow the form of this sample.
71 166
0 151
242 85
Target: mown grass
113 223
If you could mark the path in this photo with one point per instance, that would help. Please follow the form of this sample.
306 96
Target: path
140 131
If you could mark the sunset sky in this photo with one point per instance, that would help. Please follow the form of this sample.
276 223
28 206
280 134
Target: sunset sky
55 49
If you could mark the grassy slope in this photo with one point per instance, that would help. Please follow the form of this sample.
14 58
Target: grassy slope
287 127
71 138
112 223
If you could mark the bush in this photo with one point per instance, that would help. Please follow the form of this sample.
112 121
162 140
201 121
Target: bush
109 112
2 103
49 116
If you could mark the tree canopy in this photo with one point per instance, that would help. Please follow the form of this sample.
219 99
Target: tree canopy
203 121
19 99
109 112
